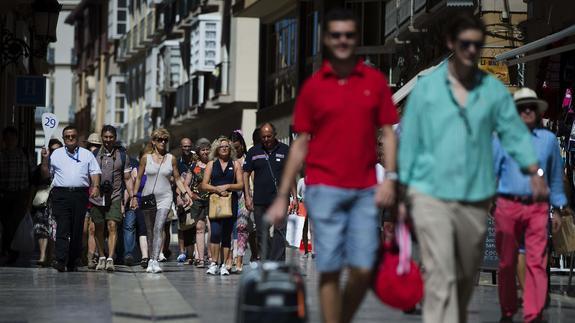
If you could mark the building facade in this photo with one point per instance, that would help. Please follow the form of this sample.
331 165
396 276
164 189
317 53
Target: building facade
189 66
27 27
98 83
60 96
400 37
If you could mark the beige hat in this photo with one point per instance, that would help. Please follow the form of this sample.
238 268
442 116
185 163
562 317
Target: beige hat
528 96
94 139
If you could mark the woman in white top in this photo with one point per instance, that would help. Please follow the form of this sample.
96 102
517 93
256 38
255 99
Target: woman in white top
159 166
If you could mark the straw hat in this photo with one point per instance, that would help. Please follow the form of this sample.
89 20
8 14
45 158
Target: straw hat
528 96
94 139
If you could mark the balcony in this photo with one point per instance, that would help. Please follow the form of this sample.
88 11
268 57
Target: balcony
150 26
122 52
137 37
407 16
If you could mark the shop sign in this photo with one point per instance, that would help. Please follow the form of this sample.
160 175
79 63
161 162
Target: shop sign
497 69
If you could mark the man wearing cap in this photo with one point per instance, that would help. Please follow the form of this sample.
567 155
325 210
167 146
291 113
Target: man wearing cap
518 216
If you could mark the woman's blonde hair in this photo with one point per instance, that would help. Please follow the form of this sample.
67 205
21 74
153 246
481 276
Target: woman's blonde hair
157 133
214 153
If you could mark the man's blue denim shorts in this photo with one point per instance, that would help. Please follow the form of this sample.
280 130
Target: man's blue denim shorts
345 227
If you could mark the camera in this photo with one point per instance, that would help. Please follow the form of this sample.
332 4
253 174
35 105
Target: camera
106 187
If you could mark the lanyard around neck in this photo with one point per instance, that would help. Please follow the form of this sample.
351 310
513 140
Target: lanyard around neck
76 152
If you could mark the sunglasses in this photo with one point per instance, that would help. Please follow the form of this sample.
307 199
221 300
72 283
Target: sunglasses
224 147
527 109
338 35
162 140
70 137
465 44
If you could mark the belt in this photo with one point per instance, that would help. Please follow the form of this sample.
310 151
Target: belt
517 198
70 189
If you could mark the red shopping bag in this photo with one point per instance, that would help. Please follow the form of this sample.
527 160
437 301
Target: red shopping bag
398 281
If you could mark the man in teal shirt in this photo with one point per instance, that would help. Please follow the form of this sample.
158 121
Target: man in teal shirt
446 162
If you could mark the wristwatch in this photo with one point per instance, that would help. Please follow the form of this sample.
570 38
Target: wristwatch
539 172
392 176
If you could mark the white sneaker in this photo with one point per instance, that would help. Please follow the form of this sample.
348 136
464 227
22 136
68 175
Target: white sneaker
151 265
224 271
162 258
157 269
101 263
212 269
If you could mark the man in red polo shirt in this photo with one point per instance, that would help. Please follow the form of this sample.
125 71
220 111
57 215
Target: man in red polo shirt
343 104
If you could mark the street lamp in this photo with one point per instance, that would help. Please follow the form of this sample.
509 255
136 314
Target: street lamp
46 14
44 22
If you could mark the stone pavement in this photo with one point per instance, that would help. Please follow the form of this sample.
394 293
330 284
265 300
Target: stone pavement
185 294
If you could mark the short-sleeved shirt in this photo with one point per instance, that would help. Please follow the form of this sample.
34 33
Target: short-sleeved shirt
112 170
265 190
197 173
73 169
342 116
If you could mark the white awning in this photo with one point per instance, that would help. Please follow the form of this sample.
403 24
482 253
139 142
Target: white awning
404 91
514 53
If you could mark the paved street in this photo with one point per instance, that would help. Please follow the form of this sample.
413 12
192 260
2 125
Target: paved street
183 294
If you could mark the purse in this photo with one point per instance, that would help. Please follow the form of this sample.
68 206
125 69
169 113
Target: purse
564 239
41 197
148 202
220 207
398 281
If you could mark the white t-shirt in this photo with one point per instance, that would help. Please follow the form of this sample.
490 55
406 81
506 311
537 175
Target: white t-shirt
380 173
73 170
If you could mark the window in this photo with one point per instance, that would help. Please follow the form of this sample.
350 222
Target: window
371 15
120 108
118 18
280 67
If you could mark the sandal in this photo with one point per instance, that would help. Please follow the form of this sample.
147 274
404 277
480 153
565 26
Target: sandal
200 263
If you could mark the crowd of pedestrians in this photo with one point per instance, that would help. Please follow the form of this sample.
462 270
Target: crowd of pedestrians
463 140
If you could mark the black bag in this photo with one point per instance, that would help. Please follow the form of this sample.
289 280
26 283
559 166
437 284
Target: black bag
148 202
271 291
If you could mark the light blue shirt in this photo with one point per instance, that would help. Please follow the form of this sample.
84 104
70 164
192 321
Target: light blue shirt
73 170
512 181
445 150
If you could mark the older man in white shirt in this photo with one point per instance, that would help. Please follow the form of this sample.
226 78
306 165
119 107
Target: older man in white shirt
74 170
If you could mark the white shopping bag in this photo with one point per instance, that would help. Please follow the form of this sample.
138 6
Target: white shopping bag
295 229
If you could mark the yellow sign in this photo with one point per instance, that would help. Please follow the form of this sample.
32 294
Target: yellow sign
498 70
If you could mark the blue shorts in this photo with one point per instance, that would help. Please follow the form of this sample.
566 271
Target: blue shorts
345 227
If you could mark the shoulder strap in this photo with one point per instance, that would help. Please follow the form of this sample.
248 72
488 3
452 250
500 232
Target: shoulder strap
271 172
159 168
123 156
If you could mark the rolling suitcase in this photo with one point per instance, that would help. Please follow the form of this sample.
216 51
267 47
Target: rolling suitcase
271 292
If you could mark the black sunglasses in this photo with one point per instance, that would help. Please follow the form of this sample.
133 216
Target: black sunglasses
465 44
527 108
163 140
337 35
